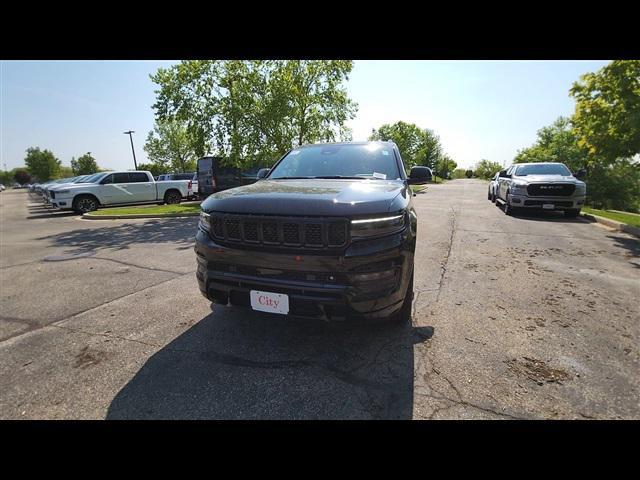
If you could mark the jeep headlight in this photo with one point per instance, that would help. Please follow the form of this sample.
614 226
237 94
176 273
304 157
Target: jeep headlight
581 189
204 224
378 225
58 192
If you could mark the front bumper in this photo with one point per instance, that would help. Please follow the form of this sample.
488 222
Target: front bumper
559 203
359 283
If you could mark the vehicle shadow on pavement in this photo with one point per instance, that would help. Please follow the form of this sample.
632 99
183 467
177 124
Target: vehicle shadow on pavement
238 364
542 216
631 245
178 231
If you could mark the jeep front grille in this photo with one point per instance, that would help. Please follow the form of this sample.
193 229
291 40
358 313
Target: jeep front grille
307 232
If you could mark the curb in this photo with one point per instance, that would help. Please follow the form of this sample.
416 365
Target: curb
619 226
88 216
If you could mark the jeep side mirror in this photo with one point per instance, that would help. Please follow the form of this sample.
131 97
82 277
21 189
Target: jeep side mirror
580 174
263 172
503 174
419 175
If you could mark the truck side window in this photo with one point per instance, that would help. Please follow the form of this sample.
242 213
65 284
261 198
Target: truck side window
107 179
138 177
120 178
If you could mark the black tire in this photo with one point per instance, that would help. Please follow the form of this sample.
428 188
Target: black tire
508 209
573 213
85 204
489 195
403 317
172 197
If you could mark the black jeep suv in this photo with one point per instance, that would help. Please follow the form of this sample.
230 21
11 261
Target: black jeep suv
329 232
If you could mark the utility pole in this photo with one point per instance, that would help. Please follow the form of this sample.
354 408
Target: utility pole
132 149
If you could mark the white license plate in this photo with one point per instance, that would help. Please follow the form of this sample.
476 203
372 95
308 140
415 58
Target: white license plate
548 206
269 302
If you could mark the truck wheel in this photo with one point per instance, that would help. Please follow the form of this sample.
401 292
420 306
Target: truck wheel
172 197
85 204
508 209
489 195
572 213
404 315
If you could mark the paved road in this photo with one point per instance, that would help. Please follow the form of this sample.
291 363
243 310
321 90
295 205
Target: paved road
530 317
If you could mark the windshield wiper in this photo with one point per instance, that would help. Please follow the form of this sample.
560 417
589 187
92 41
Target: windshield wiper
340 176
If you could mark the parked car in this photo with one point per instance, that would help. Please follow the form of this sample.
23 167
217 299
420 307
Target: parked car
329 232
214 177
2 187
544 185
61 183
118 188
493 188
192 177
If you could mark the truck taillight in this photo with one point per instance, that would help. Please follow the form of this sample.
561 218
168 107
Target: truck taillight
190 185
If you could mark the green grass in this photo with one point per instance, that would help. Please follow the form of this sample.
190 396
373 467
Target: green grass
418 188
148 210
628 218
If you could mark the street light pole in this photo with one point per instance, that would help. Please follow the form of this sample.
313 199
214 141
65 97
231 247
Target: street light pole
135 164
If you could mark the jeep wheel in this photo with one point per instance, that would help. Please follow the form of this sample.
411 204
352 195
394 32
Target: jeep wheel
573 213
404 315
172 197
85 204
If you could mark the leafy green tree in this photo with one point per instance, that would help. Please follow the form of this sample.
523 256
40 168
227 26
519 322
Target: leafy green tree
65 172
417 146
171 147
607 115
615 185
556 143
252 111
21 175
407 136
84 165
459 173
154 168
5 177
42 164
445 166
486 169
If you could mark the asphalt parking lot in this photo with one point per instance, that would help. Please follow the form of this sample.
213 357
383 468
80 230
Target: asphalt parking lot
532 317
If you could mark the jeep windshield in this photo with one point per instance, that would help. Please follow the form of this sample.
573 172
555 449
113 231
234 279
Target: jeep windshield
543 169
332 161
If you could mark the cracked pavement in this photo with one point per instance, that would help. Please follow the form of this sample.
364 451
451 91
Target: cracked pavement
514 317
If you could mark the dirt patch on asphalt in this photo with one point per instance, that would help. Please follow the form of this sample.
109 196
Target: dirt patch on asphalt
88 357
537 371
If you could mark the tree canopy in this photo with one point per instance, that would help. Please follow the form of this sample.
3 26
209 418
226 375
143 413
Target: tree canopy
417 146
84 165
607 115
252 112
42 164
486 169
171 147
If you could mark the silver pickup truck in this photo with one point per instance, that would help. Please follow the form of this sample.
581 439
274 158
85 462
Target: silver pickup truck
117 188
544 186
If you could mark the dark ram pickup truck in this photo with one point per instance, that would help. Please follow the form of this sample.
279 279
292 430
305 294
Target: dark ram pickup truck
329 232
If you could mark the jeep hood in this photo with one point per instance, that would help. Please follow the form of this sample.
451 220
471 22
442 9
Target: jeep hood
308 197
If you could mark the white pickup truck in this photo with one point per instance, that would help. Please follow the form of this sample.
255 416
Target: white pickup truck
117 188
